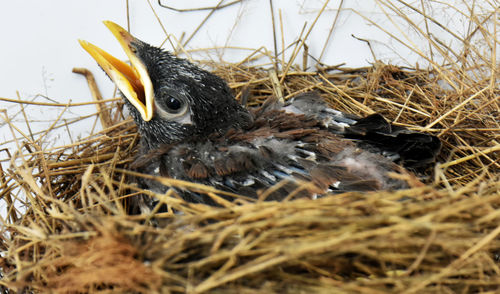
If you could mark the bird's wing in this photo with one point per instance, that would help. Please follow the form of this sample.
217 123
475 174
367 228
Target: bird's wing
410 148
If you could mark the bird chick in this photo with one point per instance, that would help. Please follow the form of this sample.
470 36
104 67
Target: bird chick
193 129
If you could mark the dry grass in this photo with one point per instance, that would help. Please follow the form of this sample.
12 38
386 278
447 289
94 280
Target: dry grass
66 228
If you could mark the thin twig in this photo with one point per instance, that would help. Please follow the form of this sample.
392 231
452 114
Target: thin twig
104 114
197 8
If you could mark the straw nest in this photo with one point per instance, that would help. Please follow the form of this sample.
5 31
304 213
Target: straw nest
67 229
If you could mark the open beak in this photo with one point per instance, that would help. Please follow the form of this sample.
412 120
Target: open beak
132 80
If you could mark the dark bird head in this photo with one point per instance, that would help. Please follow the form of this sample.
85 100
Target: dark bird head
170 98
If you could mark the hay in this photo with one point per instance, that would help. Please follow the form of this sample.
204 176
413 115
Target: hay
67 227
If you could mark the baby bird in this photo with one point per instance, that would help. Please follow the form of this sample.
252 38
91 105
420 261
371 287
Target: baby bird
193 129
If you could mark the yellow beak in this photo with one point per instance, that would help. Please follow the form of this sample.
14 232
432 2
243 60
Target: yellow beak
132 80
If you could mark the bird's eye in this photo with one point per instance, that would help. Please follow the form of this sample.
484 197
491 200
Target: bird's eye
173 104
170 105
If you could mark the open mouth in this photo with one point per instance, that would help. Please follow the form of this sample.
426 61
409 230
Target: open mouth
132 80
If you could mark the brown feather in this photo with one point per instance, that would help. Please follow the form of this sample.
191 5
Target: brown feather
198 171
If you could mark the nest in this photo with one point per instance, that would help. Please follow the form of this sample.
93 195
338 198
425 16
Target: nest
67 229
